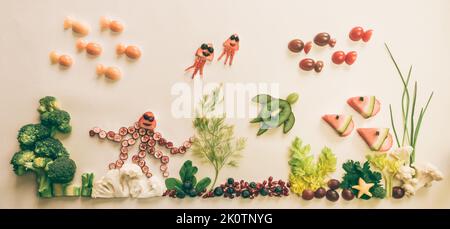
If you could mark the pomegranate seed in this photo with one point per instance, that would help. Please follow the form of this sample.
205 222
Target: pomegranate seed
145 138
131 141
151 142
182 150
142 132
91 133
141 163
158 154
169 145
135 135
174 150
157 136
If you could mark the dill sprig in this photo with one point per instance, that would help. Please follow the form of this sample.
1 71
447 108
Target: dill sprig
410 127
214 139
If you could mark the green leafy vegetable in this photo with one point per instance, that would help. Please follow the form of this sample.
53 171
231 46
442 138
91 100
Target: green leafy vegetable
410 127
354 171
214 139
87 182
305 173
188 184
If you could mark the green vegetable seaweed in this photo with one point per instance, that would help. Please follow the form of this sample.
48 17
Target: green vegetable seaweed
411 128
188 184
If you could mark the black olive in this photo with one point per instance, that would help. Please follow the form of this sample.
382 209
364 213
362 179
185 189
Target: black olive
211 49
205 53
377 133
232 37
333 184
337 117
307 194
320 193
398 192
361 98
332 195
236 39
204 46
347 194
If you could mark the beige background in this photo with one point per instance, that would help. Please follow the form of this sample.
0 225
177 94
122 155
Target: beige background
168 33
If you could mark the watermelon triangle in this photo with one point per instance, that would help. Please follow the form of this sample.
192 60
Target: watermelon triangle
367 106
342 124
378 139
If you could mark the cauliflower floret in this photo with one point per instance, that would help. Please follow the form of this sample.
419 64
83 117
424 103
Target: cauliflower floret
417 177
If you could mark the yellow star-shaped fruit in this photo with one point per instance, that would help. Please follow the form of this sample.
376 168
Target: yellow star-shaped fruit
363 188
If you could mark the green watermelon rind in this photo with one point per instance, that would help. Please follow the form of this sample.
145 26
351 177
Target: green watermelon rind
381 138
346 125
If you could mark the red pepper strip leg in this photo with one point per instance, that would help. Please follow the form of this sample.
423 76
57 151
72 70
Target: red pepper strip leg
221 55
231 57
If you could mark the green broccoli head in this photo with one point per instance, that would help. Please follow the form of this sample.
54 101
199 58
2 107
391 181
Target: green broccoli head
58 119
61 170
378 192
50 148
29 134
41 162
22 161
47 104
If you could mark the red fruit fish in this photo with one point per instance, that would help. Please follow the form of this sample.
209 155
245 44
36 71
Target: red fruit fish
367 106
378 139
342 124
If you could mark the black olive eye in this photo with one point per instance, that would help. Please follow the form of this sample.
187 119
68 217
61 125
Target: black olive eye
204 46
377 133
361 98
337 116
146 117
232 37
211 49
236 39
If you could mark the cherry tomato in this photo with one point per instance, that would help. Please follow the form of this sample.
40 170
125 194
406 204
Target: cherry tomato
307 47
318 66
307 64
367 35
338 57
350 58
356 33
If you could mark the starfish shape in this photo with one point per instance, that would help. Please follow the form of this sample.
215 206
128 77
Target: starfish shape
363 188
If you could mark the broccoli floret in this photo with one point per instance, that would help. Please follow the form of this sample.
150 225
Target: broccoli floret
379 192
41 162
29 134
61 170
57 119
21 160
47 104
24 161
50 148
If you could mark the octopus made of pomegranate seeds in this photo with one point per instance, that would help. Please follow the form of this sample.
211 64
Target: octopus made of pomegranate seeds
230 47
143 133
203 54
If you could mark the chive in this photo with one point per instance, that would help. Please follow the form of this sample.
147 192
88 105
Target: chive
412 141
393 126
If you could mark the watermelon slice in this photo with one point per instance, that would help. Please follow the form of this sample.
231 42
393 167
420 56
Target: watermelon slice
378 139
342 124
367 106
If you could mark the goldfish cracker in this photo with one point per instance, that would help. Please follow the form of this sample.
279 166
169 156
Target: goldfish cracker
131 51
112 73
63 60
91 47
113 25
76 26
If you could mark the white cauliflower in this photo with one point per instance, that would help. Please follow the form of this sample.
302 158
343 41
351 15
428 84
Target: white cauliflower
417 177
125 182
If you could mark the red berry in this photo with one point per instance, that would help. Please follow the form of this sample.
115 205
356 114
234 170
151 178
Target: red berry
338 57
356 33
307 47
307 64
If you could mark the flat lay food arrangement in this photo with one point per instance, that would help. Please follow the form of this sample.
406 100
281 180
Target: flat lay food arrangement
154 158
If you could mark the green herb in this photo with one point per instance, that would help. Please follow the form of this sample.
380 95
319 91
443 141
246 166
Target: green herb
305 173
214 139
410 127
188 185
87 182
354 171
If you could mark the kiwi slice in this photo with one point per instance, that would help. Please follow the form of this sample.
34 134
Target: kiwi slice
262 98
